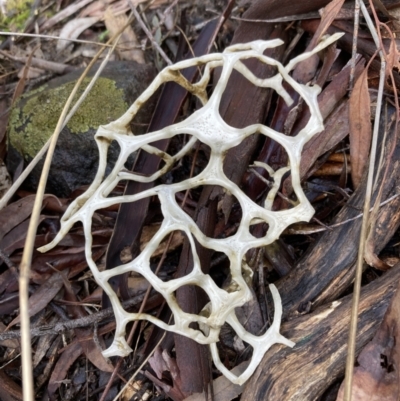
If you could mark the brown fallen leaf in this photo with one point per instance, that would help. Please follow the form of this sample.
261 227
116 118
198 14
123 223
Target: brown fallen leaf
9 390
42 296
41 271
67 358
51 356
377 376
360 127
43 346
18 211
64 13
15 213
305 71
328 14
8 303
15 238
336 128
162 362
8 281
23 76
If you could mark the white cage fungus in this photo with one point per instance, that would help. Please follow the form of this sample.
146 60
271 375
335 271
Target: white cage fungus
207 126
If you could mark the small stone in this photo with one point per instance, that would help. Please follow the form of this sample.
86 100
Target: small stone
75 161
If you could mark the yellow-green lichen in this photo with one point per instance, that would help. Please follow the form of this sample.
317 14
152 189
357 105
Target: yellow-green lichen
32 124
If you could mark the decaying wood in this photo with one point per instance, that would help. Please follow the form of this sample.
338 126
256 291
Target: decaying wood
318 358
328 268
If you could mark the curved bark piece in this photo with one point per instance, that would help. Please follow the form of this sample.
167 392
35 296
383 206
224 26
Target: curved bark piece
319 356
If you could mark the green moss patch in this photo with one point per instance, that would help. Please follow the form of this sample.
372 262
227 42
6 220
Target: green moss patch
32 124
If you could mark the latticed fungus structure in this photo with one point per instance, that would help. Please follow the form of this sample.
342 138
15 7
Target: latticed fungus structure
207 126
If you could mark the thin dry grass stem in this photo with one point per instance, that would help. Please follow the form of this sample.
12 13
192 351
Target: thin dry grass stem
189 46
26 351
186 40
36 35
354 48
148 33
364 227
